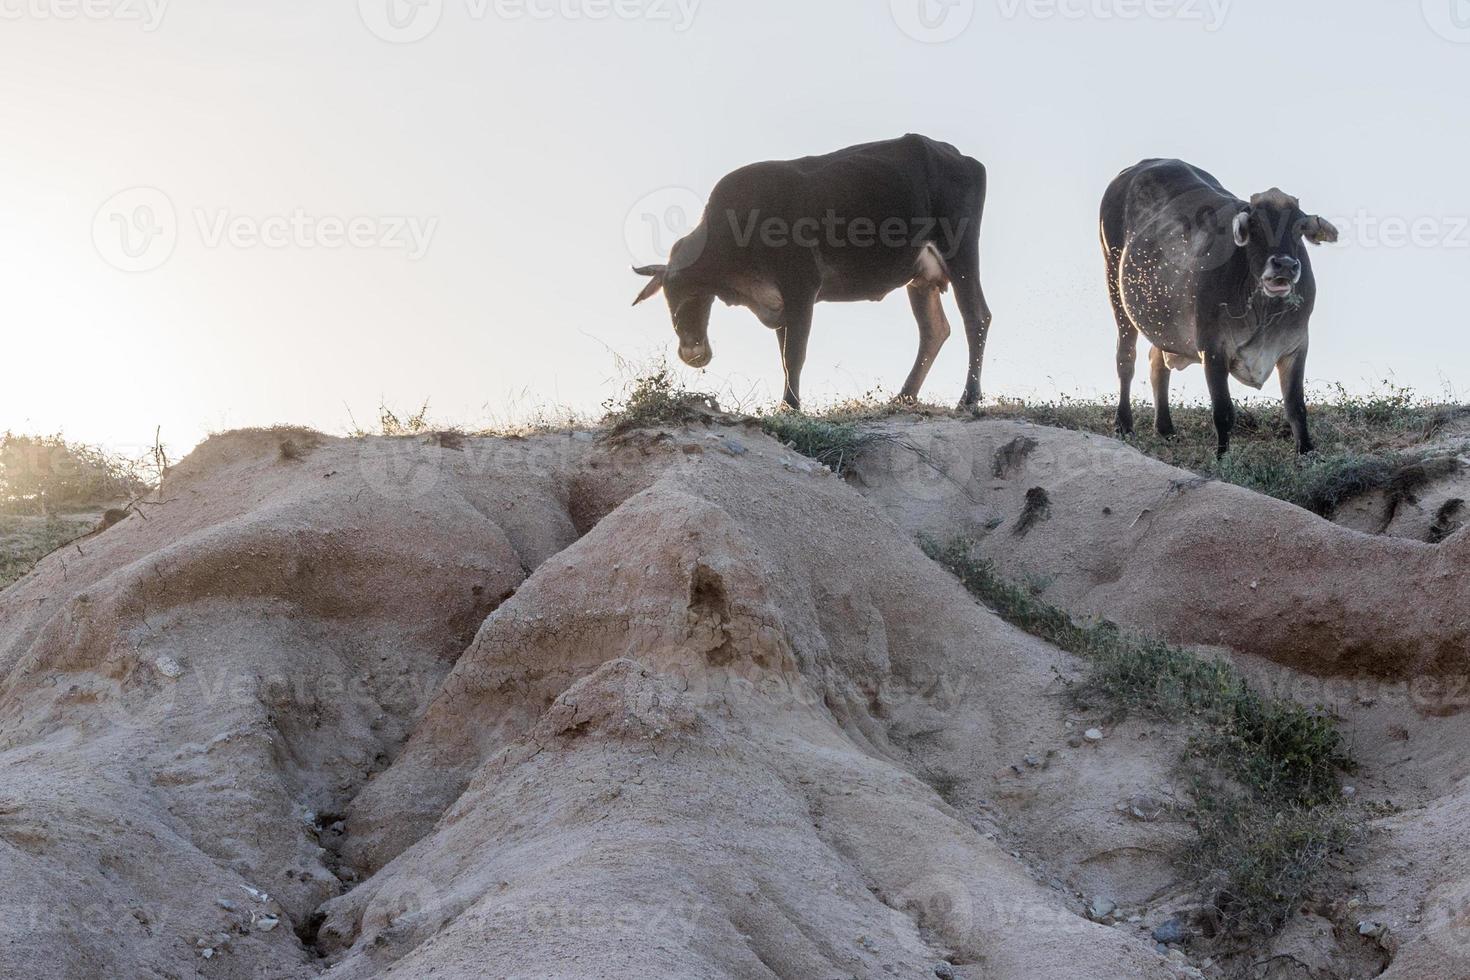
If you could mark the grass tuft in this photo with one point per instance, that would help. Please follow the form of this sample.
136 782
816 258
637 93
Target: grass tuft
655 400
835 444
1264 772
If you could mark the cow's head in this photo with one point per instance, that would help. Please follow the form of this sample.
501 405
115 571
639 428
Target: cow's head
1272 231
689 298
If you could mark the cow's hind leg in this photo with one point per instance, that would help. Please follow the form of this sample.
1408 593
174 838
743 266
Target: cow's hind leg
1127 345
934 330
964 271
1159 371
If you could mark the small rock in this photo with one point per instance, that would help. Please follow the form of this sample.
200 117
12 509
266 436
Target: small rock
256 893
734 447
944 971
169 667
1371 929
1032 762
225 904
1172 931
1349 791
1101 908
1177 955
207 953
1143 808
1094 735
264 922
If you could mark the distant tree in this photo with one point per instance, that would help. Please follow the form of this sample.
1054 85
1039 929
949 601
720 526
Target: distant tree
46 474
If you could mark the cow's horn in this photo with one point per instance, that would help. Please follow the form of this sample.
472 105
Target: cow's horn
658 272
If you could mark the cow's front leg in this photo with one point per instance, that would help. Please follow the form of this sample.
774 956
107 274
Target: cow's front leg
793 334
1217 376
1293 371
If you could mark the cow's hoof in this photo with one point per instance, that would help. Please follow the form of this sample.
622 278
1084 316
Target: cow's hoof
1166 431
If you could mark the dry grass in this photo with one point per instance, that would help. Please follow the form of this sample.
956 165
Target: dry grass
1367 443
26 540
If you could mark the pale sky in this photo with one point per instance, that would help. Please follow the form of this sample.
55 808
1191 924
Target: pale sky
454 217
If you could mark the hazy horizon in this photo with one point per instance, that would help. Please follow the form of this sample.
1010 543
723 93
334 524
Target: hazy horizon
215 217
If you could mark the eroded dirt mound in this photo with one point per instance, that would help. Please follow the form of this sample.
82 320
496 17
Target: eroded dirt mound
1112 533
673 704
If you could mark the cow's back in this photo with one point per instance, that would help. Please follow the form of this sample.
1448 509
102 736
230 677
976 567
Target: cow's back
910 177
1166 224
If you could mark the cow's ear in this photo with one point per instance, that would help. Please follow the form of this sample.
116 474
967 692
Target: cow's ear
658 272
1319 231
1241 229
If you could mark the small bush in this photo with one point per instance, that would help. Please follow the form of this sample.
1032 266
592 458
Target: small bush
390 424
1263 861
654 400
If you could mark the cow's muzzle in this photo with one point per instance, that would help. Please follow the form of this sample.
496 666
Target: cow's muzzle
1281 276
697 356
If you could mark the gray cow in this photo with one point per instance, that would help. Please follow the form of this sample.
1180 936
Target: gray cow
1209 278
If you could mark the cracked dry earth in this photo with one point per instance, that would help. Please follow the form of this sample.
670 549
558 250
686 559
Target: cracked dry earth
681 704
